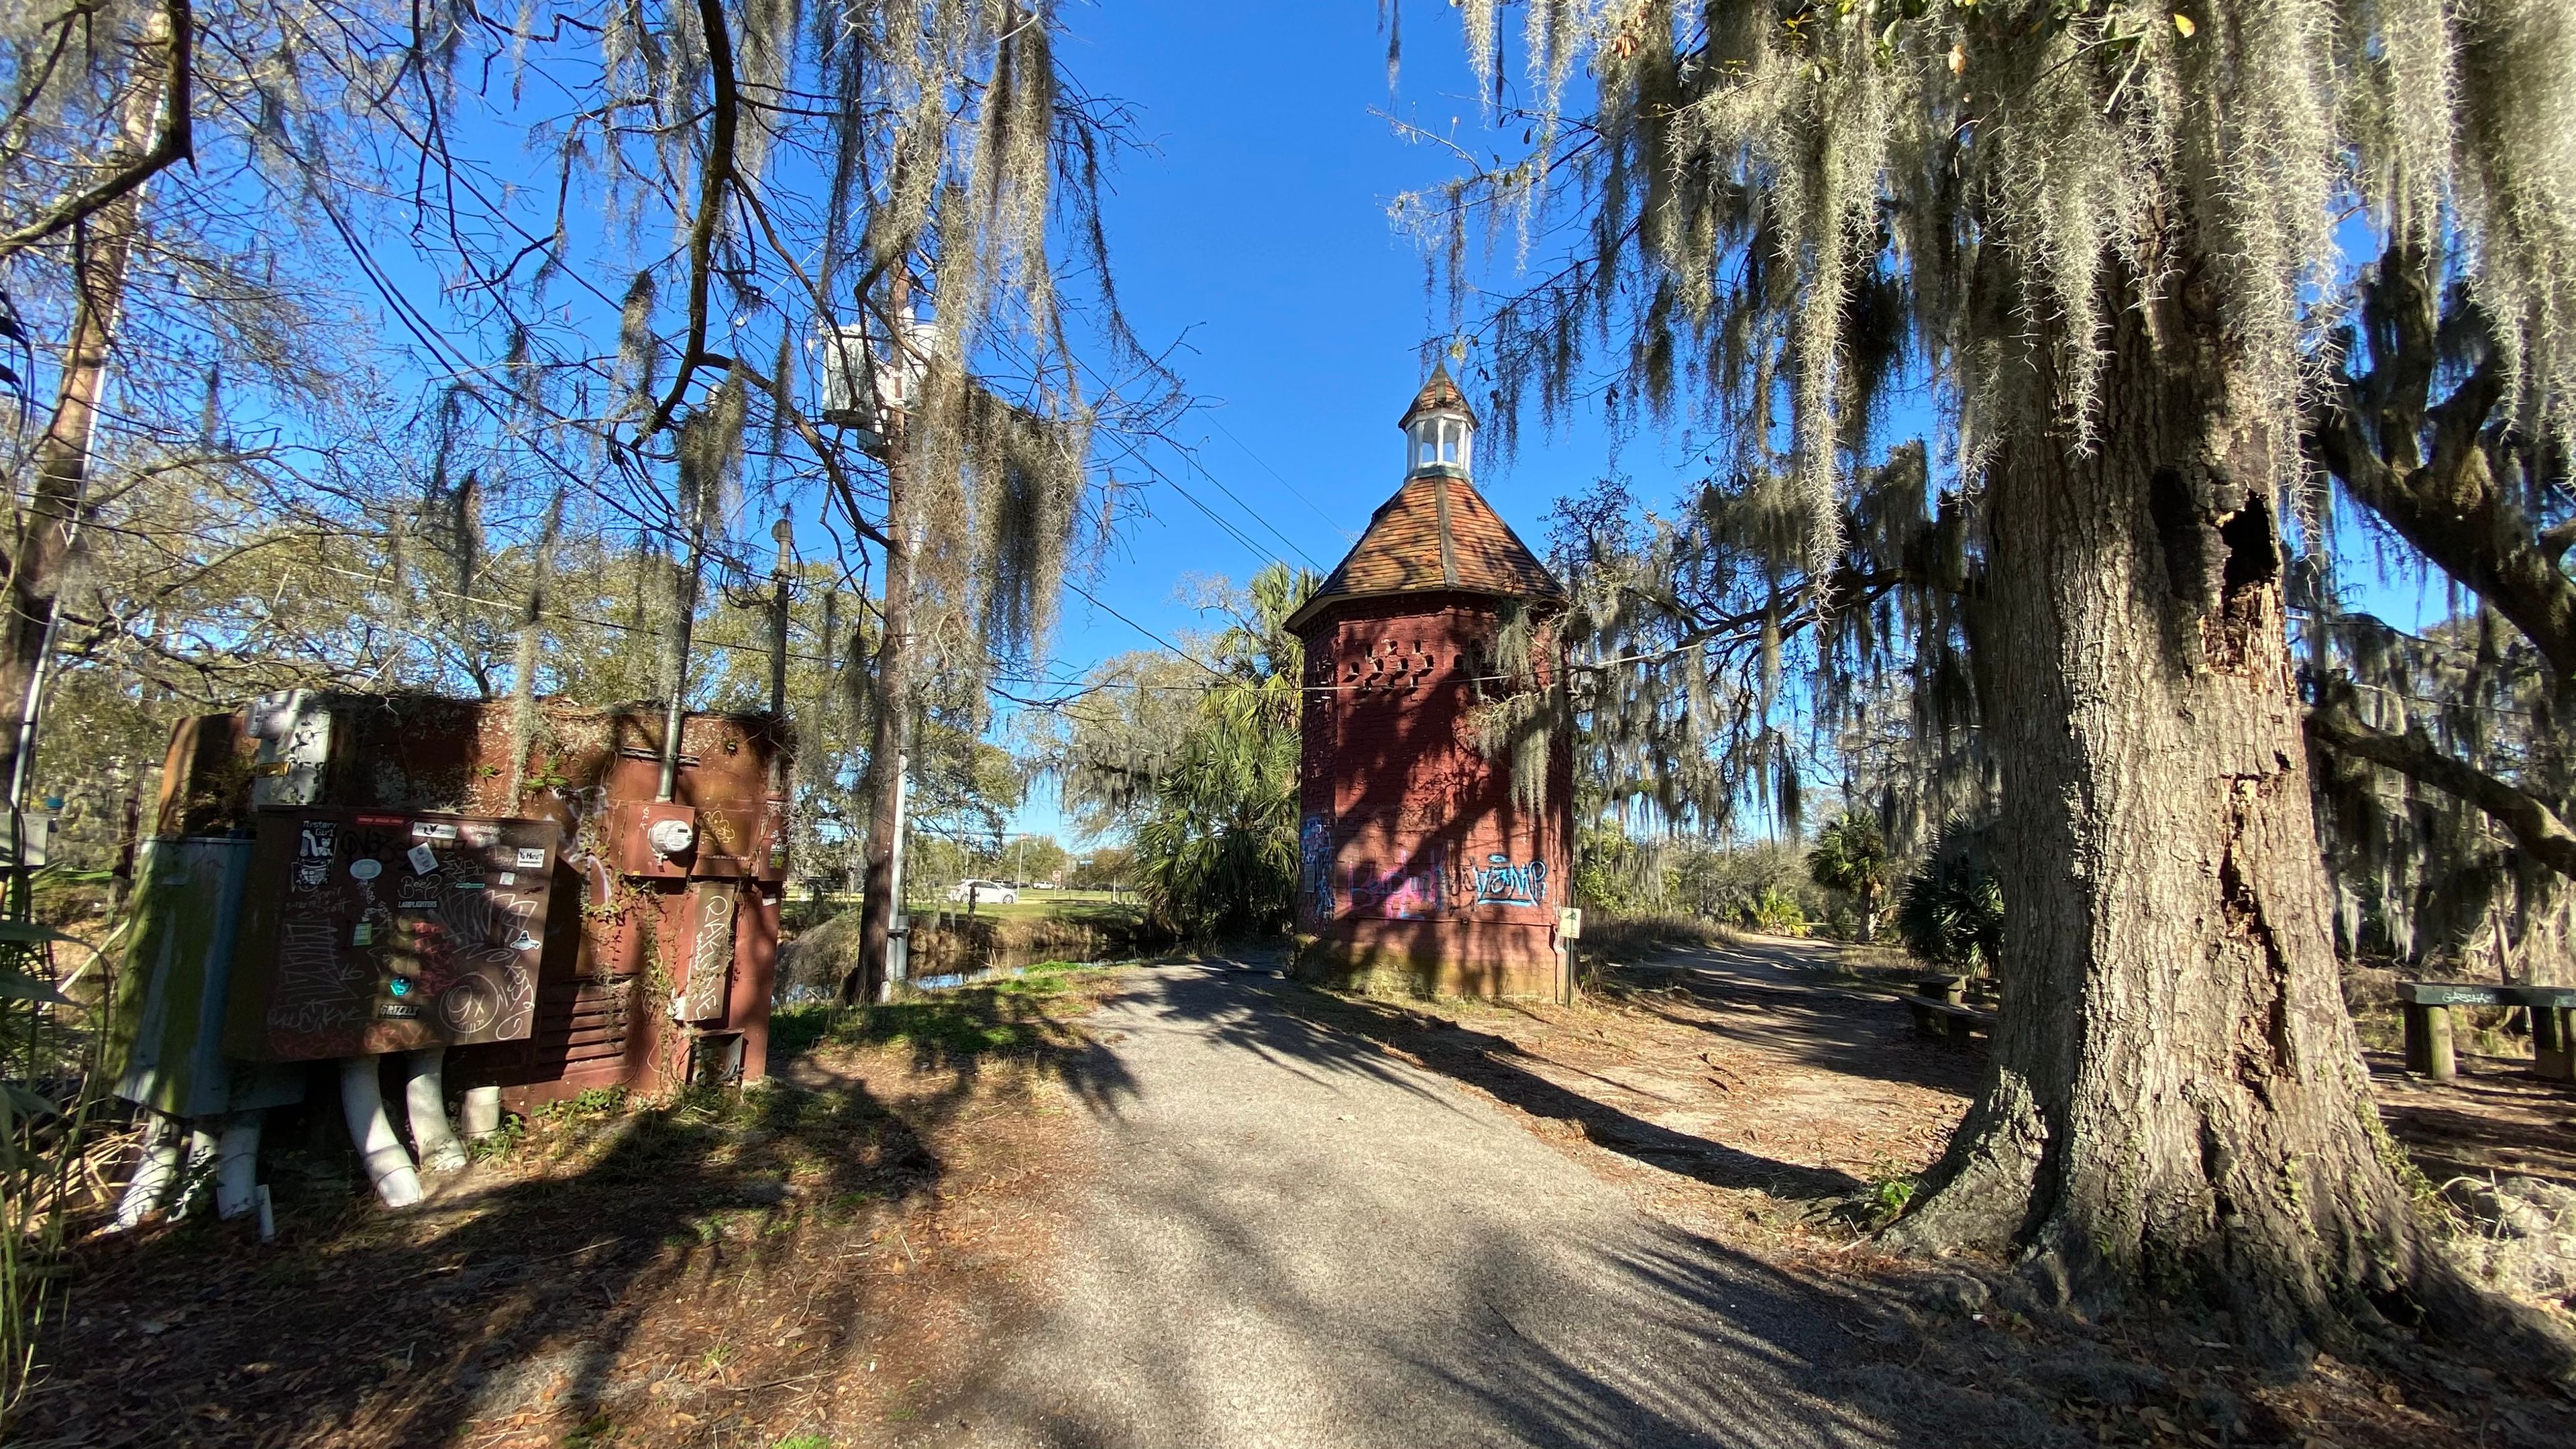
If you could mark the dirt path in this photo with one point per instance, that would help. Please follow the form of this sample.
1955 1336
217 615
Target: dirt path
1296 1239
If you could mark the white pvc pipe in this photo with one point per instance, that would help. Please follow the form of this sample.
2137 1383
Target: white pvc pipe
362 1101
482 1112
237 1168
202 1145
154 1171
425 1099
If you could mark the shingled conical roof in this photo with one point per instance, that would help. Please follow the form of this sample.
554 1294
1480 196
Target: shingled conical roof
1436 535
1441 391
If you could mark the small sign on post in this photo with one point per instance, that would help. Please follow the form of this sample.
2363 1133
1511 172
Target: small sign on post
1569 923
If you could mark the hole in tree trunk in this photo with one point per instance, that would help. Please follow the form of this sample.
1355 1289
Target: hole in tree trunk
2253 556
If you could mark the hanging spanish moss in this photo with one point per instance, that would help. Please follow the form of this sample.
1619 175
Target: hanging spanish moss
1798 200
2104 241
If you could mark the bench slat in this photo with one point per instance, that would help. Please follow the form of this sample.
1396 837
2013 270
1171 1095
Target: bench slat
2450 993
2561 997
1934 1003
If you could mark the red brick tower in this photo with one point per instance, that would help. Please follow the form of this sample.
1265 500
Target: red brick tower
1420 870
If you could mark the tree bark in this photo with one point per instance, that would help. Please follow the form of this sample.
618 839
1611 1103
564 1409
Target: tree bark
2176 1099
103 243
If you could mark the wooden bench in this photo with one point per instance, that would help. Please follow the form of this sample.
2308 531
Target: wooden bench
1940 1008
2427 1007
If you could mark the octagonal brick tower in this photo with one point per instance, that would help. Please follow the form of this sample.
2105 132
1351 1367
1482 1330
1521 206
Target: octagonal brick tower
1419 870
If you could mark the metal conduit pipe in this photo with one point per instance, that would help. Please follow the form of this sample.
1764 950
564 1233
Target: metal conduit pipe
362 1101
237 1167
154 1172
425 1099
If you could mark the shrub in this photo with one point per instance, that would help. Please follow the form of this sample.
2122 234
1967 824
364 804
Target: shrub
1777 912
1951 911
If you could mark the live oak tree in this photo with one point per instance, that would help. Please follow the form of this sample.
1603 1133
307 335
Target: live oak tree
2446 784
951 160
2099 231
163 171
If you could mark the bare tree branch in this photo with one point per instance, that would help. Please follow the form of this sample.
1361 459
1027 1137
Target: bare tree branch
2534 825
2450 505
176 141
722 118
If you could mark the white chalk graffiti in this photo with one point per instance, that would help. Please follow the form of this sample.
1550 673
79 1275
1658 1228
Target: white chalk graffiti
308 962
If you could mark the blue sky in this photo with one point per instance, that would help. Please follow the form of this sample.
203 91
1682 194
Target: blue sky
1252 230
1255 229
1259 234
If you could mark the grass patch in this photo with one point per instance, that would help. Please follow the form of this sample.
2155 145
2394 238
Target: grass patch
1008 1016
1098 911
1614 936
945 941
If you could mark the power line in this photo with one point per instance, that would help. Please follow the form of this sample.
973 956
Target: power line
1293 490
1248 509
1148 633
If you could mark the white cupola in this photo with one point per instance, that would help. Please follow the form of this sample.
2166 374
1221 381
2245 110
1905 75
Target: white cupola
1439 429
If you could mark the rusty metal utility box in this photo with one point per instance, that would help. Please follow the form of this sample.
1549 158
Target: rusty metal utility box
656 968
371 931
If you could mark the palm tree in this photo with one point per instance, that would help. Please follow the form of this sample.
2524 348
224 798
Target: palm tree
1851 856
1216 854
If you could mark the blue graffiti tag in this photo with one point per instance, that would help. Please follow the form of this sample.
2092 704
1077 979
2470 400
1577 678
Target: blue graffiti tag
1501 883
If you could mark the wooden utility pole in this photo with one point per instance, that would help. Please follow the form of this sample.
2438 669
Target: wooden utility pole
893 685
683 627
523 681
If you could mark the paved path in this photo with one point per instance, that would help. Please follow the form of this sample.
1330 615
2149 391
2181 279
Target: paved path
1296 1241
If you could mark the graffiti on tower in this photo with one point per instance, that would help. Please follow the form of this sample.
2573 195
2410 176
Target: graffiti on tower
1408 892
1315 868
1498 882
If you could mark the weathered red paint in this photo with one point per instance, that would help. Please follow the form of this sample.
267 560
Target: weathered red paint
1421 872
615 941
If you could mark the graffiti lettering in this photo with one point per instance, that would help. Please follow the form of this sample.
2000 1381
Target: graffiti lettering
316 1016
1405 893
1315 868
308 962
1500 883
469 1006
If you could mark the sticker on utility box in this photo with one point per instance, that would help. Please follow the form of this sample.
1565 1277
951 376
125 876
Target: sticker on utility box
532 857
423 859
433 830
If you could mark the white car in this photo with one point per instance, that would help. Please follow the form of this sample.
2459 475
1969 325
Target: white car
984 892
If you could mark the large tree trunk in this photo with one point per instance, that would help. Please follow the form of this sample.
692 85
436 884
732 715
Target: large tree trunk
2176 1097
41 548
